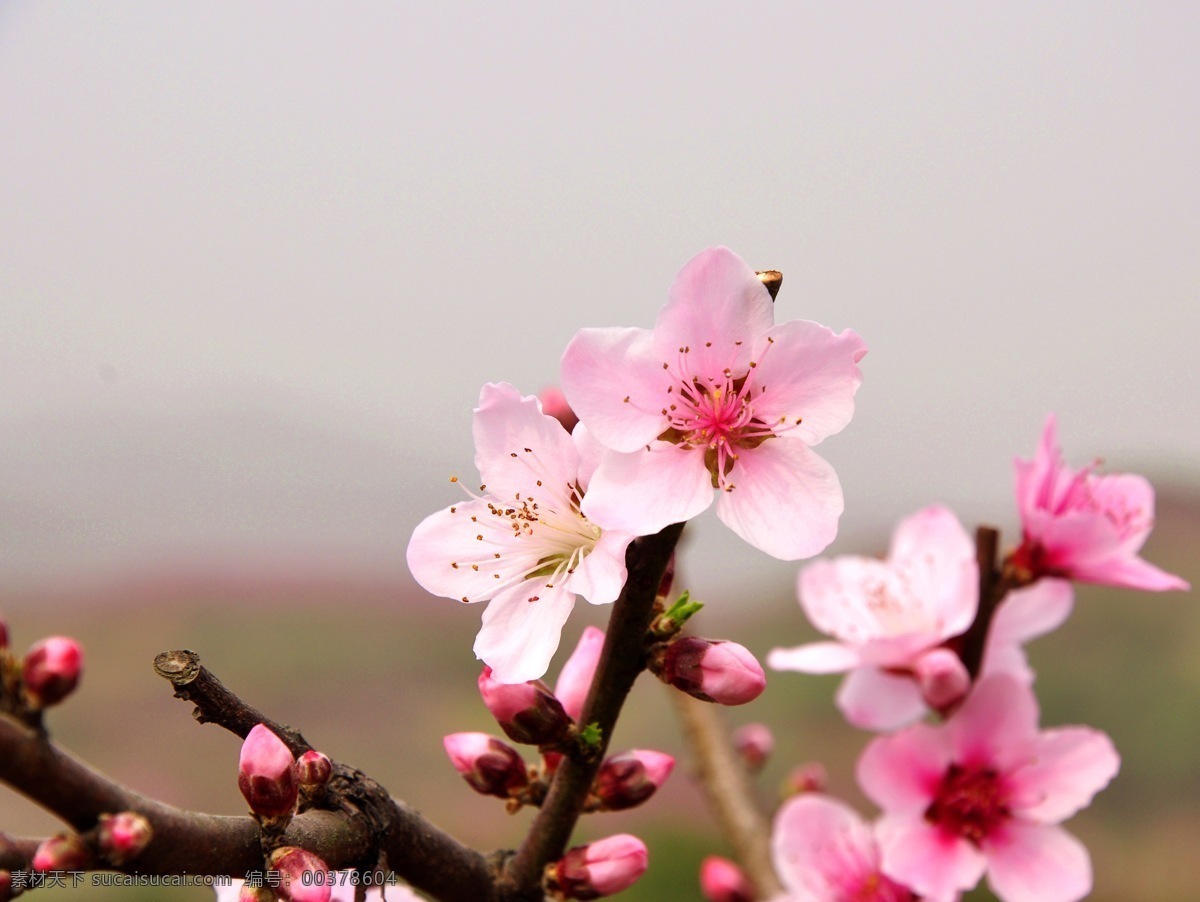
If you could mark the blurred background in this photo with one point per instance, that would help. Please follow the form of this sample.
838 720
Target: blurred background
256 261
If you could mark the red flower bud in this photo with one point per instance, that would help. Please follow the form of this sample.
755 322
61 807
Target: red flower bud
65 852
527 712
303 876
713 670
808 777
123 836
490 766
602 868
943 678
51 670
6 882
754 743
313 768
575 678
628 779
723 881
3 640
267 774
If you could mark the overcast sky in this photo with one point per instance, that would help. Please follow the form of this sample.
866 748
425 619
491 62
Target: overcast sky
257 259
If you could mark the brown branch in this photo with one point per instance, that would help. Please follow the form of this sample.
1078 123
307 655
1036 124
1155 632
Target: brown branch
729 789
621 660
992 589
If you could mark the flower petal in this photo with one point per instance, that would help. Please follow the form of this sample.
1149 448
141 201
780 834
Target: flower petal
1070 765
873 699
815 657
821 848
997 725
447 559
716 307
518 448
901 773
1035 863
930 861
519 637
783 499
600 576
615 383
642 492
807 373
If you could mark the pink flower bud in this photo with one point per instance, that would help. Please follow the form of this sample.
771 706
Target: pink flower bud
267 774
575 678
628 779
713 670
754 743
527 712
313 768
490 766
723 881
65 852
123 836
51 670
602 868
303 876
554 404
3 640
943 679
808 777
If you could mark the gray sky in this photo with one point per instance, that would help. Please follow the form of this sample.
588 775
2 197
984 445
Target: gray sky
257 259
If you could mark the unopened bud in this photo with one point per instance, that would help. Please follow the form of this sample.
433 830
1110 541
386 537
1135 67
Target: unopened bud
51 670
313 768
713 670
123 836
575 678
490 766
943 678
599 869
807 777
754 743
554 404
6 882
65 852
3 640
628 779
267 774
303 877
527 712
723 881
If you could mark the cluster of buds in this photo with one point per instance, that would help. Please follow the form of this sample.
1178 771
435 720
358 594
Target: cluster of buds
598 869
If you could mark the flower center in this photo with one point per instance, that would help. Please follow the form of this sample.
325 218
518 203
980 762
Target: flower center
971 802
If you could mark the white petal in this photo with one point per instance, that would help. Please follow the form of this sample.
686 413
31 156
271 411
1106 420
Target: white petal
519 637
601 575
520 450
642 492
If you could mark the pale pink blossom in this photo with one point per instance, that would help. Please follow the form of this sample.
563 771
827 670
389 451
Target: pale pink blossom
575 678
696 405
985 792
890 619
523 543
824 852
1084 526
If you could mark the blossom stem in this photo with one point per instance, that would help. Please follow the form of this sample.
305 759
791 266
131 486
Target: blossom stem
729 789
992 589
622 658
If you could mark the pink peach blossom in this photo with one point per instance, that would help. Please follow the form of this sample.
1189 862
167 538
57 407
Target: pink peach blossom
824 852
985 792
1083 526
523 543
575 678
694 407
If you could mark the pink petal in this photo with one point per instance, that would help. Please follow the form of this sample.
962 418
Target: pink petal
601 369
937 560
600 576
519 637
821 848
716 307
873 699
1130 573
575 678
997 725
1070 765
1035 478
834 596
1023 615
808 373
901 773
926 859
1035 863
784 500
641 492
815 657
447 537
506 424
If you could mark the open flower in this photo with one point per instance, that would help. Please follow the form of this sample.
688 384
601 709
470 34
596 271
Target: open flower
522 543
1083 526
824 852
696 405
986 791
